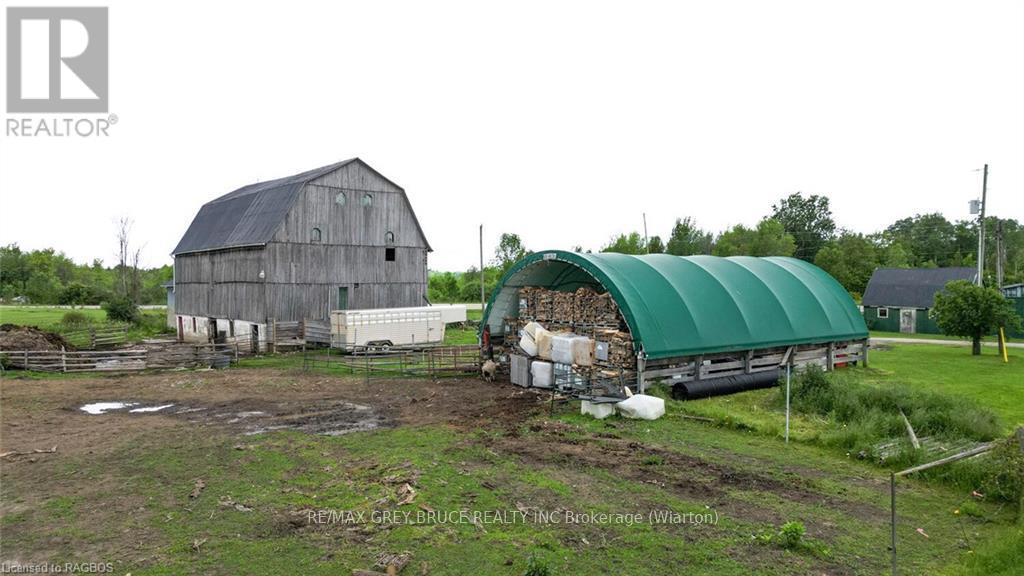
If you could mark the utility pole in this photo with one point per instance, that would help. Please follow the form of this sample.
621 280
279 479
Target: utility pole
1000 253
981 227
647 249
482 303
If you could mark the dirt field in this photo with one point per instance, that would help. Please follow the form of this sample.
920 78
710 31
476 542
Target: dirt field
220 477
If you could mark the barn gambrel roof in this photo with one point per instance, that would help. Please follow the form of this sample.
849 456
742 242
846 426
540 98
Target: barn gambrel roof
252 214
911 287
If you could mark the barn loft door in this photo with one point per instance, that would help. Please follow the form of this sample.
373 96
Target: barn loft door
342 298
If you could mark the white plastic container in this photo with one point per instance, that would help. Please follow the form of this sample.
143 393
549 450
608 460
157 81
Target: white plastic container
543 339
561 348
528 345
531 329
642 406
582 351
600 410
542 374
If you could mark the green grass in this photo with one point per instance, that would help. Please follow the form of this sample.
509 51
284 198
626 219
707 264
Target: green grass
1003 554
151 323
44 316
954 371
879 334
282 475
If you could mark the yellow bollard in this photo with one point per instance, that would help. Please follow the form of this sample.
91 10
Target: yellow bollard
1002 338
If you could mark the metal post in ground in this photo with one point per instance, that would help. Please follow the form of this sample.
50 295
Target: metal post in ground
892 520
787 402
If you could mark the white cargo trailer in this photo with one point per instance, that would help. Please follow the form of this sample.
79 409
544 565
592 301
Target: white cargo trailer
387 327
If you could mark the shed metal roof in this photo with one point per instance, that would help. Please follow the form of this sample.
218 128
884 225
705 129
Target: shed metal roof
252 214
681 306
911 287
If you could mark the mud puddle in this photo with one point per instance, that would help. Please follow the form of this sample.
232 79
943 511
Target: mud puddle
250 417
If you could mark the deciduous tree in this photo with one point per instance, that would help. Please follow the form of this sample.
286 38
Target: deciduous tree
971 311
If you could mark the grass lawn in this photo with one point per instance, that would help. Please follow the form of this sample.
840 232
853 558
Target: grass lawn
953 370
878 334
44 316
455 336
49 318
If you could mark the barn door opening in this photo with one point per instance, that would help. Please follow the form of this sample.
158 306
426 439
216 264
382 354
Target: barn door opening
907 321
254 338
342 298
181 329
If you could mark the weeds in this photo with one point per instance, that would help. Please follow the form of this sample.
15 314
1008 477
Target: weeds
864 417
536 567
793 536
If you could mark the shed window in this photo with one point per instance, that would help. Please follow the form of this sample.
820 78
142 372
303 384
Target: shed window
367 199
339 199
315 236
389 254
389 238
883 312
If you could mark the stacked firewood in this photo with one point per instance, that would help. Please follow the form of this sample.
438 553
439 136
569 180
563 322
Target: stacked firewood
584 312
589 307
620 347
582 307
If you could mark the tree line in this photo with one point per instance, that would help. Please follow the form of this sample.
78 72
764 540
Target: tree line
49 277
802 227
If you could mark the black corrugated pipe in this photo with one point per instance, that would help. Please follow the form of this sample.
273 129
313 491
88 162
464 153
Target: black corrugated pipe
725 385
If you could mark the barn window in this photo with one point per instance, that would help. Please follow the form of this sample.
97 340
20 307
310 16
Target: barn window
315 236
340 199
193 324
367 199
883 312
389 254
389 238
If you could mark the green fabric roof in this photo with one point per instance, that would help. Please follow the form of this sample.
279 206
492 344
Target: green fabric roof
681 306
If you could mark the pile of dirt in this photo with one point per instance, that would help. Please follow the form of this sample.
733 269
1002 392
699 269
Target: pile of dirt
13 337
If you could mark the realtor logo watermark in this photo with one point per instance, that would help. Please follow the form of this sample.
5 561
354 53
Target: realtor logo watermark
58 63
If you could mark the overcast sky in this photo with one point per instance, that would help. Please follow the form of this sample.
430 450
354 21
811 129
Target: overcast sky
561 121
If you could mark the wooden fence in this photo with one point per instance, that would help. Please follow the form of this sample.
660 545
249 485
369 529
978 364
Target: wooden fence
171 356
433 362
96 337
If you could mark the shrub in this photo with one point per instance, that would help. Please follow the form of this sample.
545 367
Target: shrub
121 309
74 318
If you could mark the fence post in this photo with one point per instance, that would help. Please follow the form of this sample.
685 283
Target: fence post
63 360
26 360
1020 441
892 520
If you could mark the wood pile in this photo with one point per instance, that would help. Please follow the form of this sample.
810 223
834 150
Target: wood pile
589 307
585 312
583 307
620 347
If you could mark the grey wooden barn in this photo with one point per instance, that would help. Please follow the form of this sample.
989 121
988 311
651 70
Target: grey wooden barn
338 237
